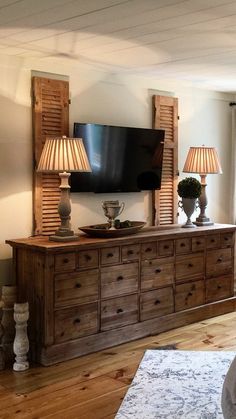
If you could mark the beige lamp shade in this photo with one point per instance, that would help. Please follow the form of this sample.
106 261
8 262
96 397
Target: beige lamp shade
64 154
202 160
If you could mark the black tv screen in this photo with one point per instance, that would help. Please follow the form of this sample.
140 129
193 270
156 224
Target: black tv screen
122 159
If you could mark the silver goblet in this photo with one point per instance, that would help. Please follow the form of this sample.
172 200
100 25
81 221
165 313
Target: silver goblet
111 210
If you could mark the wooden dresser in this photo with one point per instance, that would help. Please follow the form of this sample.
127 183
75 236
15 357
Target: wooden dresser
92 294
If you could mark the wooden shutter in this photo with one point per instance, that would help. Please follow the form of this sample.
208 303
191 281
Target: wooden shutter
165 201
50 109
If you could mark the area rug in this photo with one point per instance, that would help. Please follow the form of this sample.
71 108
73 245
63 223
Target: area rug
172 384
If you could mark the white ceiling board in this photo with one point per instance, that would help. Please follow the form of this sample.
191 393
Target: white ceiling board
193 40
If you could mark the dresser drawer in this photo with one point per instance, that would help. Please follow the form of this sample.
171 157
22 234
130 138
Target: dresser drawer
189 267
190 294
110 255
156 273
76 287
156 303
227 239
74 322
149 250
119 279
88 258
219 288
65 262
119 312
219 262
198 243
130 252
165 248
213 241
183 246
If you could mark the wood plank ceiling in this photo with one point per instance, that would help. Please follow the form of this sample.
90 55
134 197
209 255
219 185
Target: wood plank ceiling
192 40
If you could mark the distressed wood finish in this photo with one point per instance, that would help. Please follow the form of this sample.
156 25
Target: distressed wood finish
87 295
165 201
50 111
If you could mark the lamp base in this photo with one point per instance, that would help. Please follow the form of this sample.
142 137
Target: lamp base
203 221
64 236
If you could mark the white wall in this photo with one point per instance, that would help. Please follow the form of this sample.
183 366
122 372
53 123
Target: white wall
205 118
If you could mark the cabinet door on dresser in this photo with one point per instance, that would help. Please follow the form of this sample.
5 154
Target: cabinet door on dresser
156 303
189 294
119 279
190 266
117 312
157 272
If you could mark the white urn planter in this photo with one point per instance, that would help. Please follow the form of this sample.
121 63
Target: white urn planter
188 205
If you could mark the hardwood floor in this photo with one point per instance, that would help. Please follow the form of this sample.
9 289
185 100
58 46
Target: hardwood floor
92 387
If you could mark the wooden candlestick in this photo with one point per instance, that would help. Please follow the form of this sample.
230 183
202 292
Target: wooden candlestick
8 326
21 342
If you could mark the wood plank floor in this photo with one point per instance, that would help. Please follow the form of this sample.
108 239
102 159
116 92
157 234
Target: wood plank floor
92 387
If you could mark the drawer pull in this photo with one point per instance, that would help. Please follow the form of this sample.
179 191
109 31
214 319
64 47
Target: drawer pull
158 270
119 278
130 252
190 294
65 260
212 240
219 260
119 310
226 239
87 257
76 321
78 285
219 287
190 265
166 246
182 244
148 249
198 242
110 255
157 302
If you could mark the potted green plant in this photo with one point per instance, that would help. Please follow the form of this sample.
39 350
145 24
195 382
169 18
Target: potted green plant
189 189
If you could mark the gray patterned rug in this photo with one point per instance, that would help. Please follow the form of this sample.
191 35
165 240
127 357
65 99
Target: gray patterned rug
172 384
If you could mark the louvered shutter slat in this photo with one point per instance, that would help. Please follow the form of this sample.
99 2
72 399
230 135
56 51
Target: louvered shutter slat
165 201
50 118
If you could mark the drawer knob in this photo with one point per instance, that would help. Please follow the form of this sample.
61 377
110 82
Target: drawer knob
87 257
212 240
198 242
190 265
166 246
157 302
226 239
65 260
148 249
110 255
77 285
130 252
190 294
219 260
219 287
119 310
182 244
76 321
158 270
119 278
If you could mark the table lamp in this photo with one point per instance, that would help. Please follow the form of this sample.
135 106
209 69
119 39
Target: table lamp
202 160
63 155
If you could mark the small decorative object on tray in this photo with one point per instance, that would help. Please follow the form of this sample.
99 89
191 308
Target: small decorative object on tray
111 210
121 228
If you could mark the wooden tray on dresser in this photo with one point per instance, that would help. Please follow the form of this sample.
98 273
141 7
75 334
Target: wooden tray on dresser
101 230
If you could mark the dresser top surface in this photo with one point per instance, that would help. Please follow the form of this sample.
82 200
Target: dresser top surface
42 243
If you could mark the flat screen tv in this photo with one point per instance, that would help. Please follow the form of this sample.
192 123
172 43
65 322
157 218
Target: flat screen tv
123 159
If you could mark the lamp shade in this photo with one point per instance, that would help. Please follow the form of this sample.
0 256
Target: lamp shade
64 154
202 160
